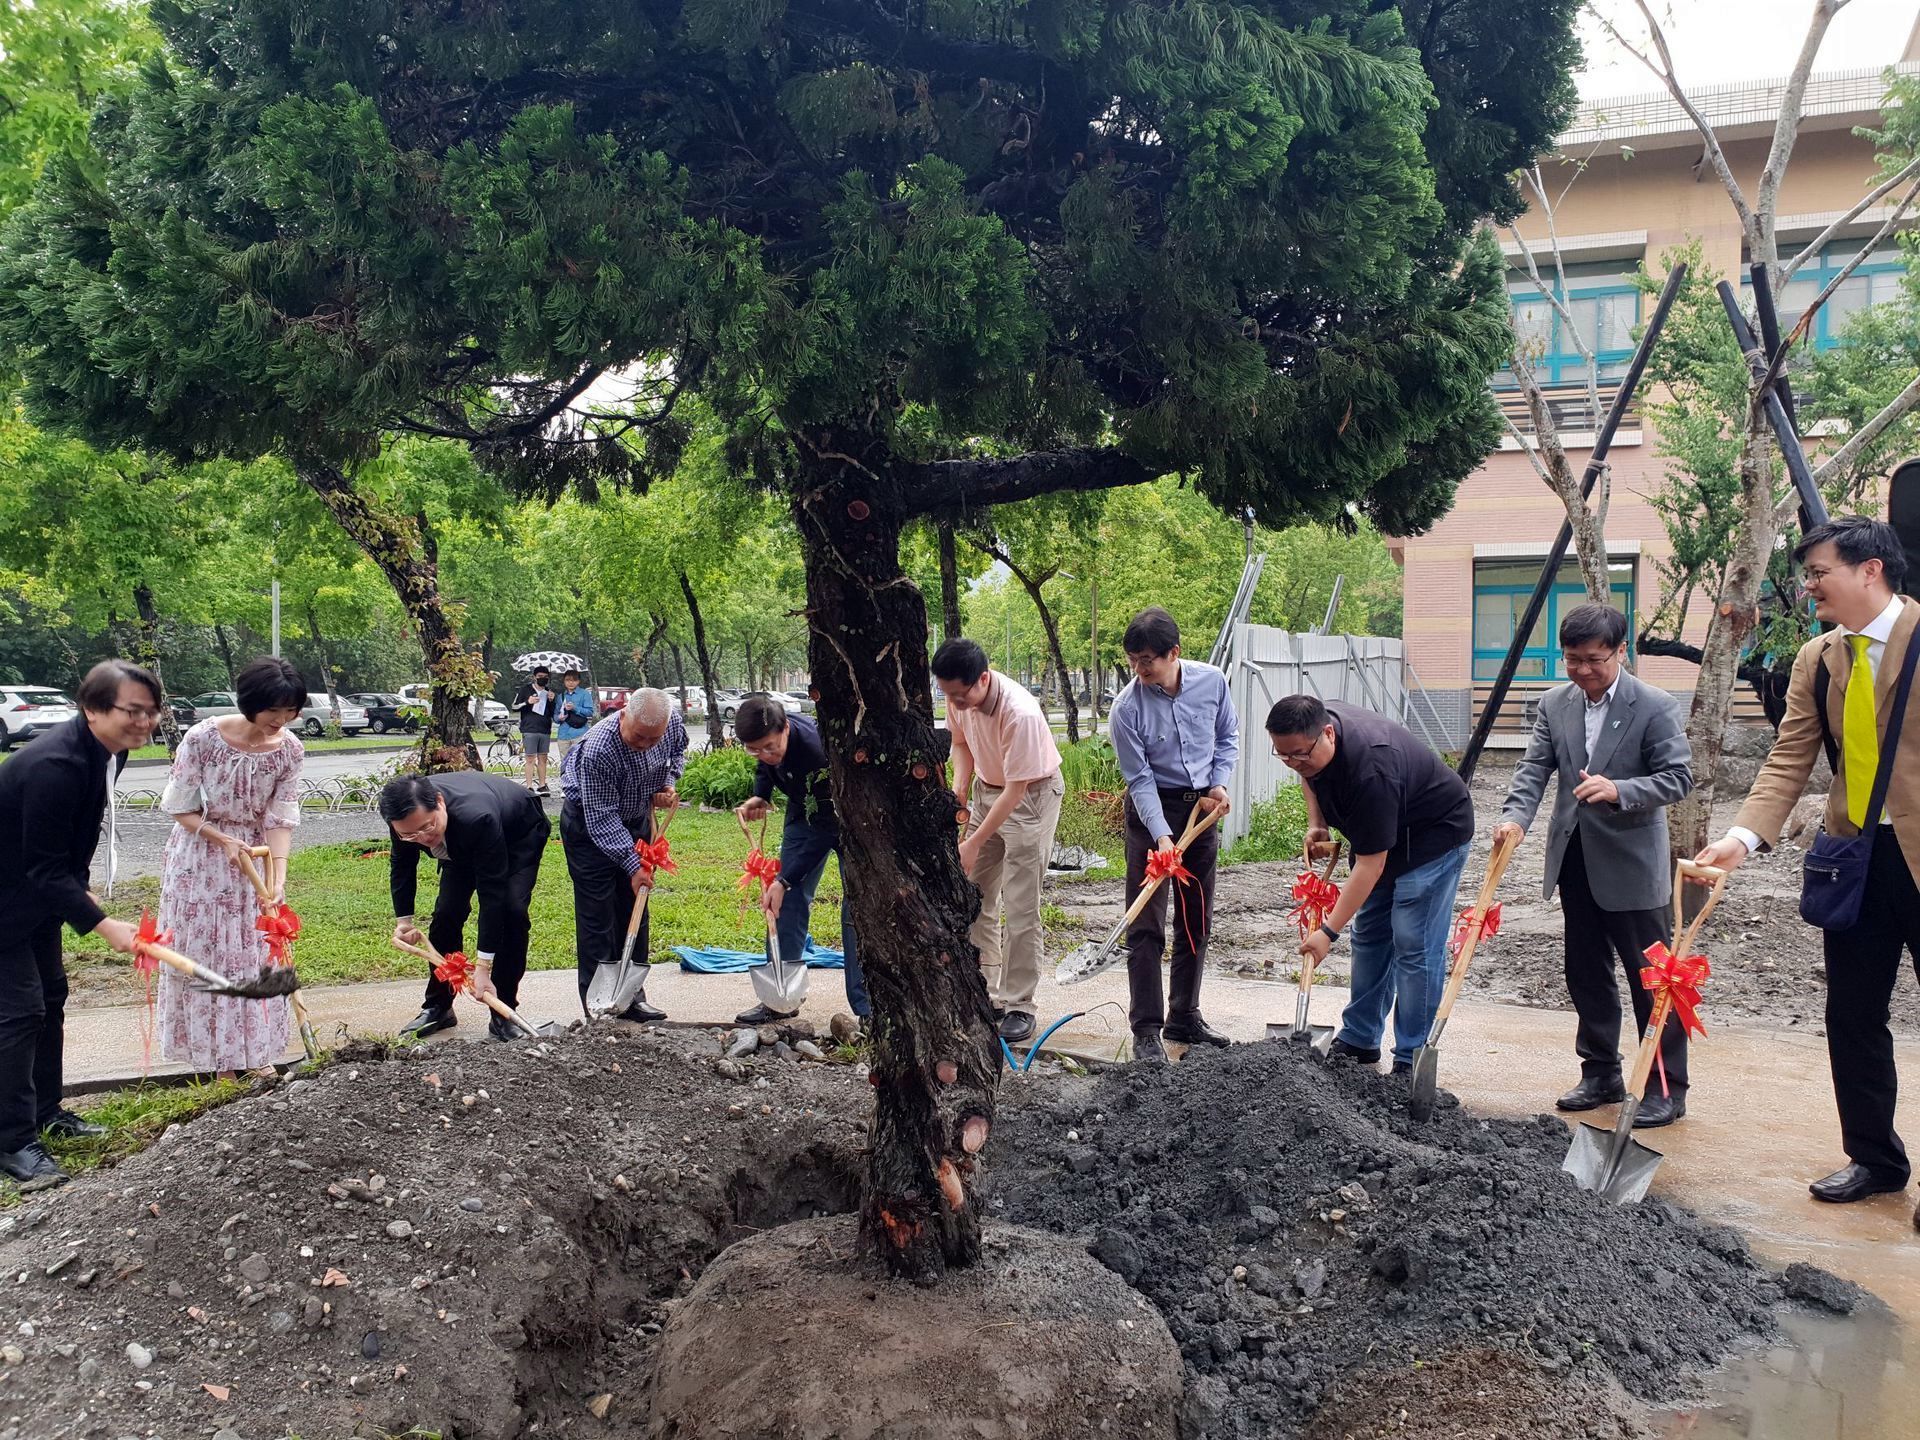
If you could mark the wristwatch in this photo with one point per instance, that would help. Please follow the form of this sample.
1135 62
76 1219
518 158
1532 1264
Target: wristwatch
1328 931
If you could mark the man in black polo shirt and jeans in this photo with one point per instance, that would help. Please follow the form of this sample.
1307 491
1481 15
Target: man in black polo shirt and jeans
1407 819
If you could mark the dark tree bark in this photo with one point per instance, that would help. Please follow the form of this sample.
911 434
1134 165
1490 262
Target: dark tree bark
326 663
950 624
935 1060
146 651
716 727
1031 582
226 649
643 657
753 680
402 546
679 671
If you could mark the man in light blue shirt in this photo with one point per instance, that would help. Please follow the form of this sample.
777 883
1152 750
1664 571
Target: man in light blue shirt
1176 737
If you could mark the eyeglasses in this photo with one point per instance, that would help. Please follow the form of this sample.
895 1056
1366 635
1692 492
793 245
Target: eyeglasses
1585 662
138 712
1299 757
1816 576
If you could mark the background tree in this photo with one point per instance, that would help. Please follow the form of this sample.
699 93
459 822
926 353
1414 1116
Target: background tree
916 262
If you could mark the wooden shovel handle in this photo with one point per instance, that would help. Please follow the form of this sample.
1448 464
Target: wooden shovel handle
1503 849
492 1002
186 966
1683 871
1191 833
252 872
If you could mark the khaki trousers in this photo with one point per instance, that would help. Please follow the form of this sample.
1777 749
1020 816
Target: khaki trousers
1012 864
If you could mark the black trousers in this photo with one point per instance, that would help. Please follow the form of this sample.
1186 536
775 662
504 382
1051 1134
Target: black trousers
1192 920
1863 962
447 929
1594 937
33 1014
602 899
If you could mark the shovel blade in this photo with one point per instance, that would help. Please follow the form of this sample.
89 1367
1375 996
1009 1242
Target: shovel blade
1085 961
1426 1082
779 987
1612 1163
607 982
1320 1037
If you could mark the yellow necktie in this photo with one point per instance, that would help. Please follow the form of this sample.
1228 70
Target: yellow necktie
1858 735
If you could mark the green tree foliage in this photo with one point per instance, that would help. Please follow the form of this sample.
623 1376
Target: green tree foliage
914 263
57 59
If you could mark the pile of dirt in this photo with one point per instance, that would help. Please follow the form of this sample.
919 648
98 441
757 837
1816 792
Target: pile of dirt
480 1241
1320 1258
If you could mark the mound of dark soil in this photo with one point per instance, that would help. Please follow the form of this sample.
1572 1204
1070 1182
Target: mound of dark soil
1317 1254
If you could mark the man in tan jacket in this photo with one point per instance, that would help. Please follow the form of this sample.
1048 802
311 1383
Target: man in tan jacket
1852 568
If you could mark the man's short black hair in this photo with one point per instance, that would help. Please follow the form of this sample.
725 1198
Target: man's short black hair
540 670
1297 715
1151 632
100 689
758 717
960 659
1858 540
1586 624
268 683
404 794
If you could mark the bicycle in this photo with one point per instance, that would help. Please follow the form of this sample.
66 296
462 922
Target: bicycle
504 753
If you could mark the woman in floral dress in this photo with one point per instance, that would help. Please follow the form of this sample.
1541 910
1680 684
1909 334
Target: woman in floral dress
235 784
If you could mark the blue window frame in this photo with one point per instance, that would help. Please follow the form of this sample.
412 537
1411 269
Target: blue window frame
1605 305
1500 591
1876 281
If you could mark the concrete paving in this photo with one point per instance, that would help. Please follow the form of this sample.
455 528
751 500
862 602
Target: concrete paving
1761 1123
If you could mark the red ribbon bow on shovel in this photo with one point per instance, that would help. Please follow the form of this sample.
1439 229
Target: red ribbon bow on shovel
454 971
760 866
1468 917
149 933
1314 896
281 928
1171 865
1665 973
655 856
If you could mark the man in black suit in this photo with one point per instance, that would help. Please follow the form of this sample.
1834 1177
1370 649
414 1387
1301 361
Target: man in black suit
488 834
53 795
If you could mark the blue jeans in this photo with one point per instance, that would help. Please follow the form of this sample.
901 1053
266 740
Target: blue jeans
1400 955
804 849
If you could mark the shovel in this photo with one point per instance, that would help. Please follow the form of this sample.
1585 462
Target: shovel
1613 1162
1318 1036
271 982
780 987
309 1040
617 984
1426 1060
546 1030
1087 959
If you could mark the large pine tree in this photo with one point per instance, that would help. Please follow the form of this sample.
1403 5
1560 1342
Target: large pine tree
918 257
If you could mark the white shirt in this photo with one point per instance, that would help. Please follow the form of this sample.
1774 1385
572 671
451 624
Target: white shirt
1596 714
1878 631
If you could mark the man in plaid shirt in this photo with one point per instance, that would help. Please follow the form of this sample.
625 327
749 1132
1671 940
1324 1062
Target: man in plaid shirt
611 783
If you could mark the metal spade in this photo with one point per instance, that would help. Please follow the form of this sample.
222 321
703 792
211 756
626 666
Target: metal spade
1320 1037
1426 1060
545 1030
1612 1161
1087 959
780 986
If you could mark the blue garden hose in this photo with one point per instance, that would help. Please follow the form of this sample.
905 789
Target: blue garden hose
1020 1067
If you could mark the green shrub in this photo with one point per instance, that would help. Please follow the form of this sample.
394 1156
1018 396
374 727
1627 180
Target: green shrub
1275 829
721 778
1090 767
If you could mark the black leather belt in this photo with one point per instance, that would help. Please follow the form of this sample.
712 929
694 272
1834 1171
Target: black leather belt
1182 797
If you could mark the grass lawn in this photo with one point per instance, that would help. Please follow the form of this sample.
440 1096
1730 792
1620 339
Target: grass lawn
346 914
314 747
135 1118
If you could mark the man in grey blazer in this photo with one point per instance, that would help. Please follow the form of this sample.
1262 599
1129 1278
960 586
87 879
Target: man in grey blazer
1607 850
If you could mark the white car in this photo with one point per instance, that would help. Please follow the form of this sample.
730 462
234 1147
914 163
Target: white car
215 702
318 714
28 710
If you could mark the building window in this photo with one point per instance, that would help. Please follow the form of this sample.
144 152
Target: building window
1876 281
1500 591
1605 305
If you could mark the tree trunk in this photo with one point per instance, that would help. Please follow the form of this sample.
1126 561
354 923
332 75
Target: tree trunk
146 652
1589 539
751 677
1732 623
679 672
486 653
226 650
645 656
402 547
935 1061
326 663
586 659
950 624
716 727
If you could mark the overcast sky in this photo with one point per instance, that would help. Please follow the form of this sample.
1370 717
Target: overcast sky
1718 41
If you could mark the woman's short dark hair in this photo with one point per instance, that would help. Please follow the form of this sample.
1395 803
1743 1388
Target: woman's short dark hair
269 683
1590 623
1859 539
960 659
566 675
1297 715
404 794
1151 632
758 717
100 690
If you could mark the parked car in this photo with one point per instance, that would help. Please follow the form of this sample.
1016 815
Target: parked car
797 702
184 714
318 714
389 712
29 710
215 702
614 698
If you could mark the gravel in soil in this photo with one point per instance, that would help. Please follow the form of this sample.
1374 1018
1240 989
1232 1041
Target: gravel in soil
1767 967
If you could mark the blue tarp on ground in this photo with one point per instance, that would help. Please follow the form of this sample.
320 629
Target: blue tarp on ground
733 962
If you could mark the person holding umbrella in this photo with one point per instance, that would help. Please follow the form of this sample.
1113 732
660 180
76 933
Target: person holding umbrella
533 703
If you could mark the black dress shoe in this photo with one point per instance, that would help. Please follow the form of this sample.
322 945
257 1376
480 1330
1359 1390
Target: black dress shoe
32 1168
1658 1110
429 1022
66 1125
1017 1026
1147 1049
1592 1092
1855 1182
1193 1031
642 1013
501 1028
1403 1067
1354 1052
763 1015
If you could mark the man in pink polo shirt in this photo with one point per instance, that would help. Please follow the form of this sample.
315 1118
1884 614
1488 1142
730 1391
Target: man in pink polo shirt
1004 751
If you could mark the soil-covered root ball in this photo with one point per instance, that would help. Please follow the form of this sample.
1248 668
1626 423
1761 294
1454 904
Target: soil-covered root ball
791 1334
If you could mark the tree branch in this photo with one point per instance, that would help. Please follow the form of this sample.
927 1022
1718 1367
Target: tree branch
1818 243
963 485
1895 410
